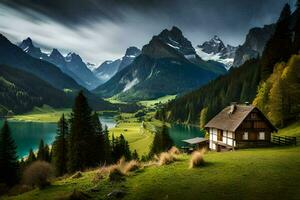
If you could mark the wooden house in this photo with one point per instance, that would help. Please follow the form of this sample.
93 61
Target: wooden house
239 126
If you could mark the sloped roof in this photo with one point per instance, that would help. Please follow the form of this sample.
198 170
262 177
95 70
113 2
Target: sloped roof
196 140
230 121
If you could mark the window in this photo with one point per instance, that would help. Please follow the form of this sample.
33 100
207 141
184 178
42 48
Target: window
245 136
261 136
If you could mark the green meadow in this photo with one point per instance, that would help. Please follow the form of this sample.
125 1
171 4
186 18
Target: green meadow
271 173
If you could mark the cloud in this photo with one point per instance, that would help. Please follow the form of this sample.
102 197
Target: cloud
101 30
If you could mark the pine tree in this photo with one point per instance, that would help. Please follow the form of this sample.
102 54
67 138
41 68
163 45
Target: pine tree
99 144
41 151
161 142
285 13
135 155
31 157
279 48
47 153
82 135
60 147
120 148
8 157
107 146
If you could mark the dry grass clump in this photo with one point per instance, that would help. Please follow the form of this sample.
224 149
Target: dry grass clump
165 158
174 151
38 174
197 159
118 171
131 166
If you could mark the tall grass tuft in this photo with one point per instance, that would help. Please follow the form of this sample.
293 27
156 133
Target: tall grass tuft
197 159
165 158
174 151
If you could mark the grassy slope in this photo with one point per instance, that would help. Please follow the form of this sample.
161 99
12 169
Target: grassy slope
43 114
151 103
246 174
139 137
292 130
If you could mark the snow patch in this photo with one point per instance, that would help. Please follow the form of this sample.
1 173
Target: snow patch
130 84
175 47
228 62
189 57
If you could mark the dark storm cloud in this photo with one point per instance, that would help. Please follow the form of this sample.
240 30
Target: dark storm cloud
107 27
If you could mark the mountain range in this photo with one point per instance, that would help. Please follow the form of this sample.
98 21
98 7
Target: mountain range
167 65
109 68
72 64
13 56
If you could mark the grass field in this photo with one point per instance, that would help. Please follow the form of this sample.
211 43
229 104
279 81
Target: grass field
139 134
151 103
43 114
271 173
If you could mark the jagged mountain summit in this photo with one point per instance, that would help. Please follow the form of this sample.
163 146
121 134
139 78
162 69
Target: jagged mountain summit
109 68
254 44
168 64
216 50
72 64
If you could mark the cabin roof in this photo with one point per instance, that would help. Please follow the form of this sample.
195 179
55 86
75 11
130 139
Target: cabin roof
230 120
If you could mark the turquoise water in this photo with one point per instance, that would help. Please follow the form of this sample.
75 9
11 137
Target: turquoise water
27 135
179 132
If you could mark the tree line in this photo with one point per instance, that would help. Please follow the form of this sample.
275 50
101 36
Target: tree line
81 142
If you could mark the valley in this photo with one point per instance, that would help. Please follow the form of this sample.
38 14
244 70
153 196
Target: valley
148 101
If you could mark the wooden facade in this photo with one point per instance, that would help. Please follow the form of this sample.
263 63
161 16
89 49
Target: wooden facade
239 126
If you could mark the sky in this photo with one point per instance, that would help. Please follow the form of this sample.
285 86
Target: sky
100 30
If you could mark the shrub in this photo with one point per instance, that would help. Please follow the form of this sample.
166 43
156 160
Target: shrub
174 151
38 174
197 159
165 159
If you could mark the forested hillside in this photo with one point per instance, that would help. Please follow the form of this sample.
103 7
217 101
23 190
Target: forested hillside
21 91
278 94
238 85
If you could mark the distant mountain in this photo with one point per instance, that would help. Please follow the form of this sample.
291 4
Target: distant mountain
13 56
167 65
109 68
216 50
71 65
21 91
254 45
130 55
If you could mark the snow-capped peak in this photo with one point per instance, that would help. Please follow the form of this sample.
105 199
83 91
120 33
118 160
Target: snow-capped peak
215 50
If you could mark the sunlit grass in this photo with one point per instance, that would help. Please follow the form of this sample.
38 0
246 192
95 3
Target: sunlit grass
43 114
